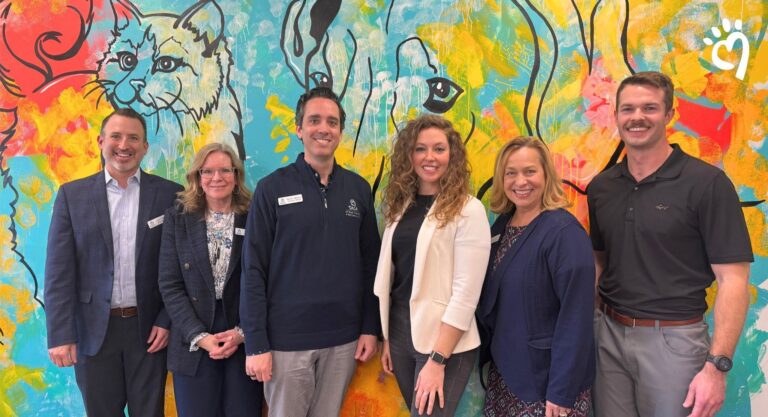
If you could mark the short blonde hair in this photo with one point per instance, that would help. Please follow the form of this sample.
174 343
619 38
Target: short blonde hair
192 199
553 196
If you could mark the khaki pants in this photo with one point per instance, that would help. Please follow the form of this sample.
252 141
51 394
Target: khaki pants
310 383
645 371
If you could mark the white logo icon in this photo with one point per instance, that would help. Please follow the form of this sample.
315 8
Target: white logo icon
728 43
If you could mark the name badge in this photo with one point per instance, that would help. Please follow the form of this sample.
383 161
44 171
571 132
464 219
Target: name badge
157 221
239 231
495 238
290 199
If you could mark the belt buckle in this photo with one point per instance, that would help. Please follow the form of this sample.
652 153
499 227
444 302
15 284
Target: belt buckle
634 322
123 313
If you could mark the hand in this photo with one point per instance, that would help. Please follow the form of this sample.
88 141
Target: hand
386 360
158 339
226 344
259 367
429 385
706 393
554 410
367 345
64 355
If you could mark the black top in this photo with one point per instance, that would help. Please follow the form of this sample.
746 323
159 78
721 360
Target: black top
662 234
404 248
309 261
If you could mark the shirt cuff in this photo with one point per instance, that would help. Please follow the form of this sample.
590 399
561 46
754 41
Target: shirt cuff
193 347
240 332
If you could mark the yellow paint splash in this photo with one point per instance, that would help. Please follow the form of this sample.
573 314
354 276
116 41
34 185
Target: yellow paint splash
284 125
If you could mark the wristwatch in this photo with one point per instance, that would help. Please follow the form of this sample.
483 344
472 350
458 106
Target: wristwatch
721 362
438 357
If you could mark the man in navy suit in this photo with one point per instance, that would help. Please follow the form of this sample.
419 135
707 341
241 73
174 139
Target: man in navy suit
104 313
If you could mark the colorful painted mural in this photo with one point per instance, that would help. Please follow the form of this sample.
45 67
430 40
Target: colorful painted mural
231 71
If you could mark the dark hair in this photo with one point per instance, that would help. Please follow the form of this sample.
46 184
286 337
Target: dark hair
129 113
403 182
319 92
653 79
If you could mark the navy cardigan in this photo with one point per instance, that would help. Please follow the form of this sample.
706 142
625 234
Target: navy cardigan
536 309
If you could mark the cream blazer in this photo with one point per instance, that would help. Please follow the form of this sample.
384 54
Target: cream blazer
448 274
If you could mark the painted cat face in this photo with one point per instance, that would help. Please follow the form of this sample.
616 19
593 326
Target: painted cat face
163 61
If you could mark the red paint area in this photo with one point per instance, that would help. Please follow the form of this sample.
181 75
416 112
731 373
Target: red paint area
713 126
42 44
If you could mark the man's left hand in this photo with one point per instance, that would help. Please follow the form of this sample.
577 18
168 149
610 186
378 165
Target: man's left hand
367 345
706 393
158 339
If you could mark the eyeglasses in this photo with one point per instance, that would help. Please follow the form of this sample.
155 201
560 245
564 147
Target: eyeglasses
223 172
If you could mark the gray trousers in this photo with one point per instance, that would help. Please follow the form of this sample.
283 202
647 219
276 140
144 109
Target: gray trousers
407 363
645 371
310 383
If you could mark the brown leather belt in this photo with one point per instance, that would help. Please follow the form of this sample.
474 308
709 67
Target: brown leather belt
633 322
124 312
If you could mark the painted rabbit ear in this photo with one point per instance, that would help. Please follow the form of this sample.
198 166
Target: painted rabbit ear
206 19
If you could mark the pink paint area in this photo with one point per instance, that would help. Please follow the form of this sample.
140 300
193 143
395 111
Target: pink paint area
599 89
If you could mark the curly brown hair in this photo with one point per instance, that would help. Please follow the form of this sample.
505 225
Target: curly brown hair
404 183
553 196
192 199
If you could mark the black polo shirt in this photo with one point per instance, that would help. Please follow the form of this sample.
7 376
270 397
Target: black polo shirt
661 234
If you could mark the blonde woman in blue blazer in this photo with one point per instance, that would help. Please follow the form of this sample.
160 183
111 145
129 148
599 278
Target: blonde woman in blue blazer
433 258
200 284
538 299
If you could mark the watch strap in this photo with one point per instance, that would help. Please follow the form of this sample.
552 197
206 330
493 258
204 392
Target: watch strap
438 357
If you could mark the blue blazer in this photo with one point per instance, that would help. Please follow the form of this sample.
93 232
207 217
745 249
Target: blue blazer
536 309
79 266
187 284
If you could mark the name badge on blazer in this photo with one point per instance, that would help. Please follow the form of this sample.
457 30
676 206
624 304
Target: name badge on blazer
495 239
157 221
239 231
290 199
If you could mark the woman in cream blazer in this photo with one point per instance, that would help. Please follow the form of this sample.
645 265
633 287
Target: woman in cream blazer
431 268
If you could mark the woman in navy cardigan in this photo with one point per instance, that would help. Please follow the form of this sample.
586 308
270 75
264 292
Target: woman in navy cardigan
538 297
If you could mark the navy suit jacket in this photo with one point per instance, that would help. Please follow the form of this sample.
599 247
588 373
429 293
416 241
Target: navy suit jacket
79 266
187 284
537 308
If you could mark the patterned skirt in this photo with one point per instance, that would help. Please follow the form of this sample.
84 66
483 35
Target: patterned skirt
500 402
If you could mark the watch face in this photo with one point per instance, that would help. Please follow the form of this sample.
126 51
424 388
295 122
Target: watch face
723 364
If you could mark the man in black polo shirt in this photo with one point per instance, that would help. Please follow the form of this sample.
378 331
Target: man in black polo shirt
664 225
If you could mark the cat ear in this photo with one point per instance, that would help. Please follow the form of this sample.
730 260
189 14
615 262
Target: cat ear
125 11
206 20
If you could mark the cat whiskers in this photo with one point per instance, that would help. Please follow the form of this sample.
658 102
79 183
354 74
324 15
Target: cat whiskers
100 84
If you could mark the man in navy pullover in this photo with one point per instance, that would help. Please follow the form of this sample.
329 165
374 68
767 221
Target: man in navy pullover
311 247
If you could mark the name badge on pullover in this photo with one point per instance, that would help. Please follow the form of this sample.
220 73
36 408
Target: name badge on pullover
495 238
290 199
157 221
239 231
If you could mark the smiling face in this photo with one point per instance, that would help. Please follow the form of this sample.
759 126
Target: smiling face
123 144
430 157
217 178
641 117
524 180
320 129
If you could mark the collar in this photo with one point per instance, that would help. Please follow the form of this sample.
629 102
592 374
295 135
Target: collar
137 175
671 168
303 163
